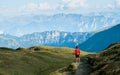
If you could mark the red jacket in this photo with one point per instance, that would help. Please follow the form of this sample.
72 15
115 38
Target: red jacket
77 51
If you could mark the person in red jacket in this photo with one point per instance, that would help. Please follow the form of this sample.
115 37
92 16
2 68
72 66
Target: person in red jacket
77 54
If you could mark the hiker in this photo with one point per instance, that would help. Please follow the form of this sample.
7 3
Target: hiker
77 54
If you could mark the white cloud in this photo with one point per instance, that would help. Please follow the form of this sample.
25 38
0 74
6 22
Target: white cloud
32 6
1 32
47 6
118 3
37 8
110 6
63 6
41 6
74 4
28 8
8 11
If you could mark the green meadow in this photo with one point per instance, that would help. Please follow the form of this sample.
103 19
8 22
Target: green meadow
37 60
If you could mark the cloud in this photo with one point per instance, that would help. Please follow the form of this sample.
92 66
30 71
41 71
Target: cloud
75 4
118 3
110 6
8 11
47 6
1 32
64 6
38 8
41 6
31 6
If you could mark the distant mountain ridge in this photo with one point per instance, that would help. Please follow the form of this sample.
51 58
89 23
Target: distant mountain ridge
48 38
101 40
27 24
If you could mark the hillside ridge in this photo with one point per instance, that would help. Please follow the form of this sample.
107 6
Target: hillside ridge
102 40
107 62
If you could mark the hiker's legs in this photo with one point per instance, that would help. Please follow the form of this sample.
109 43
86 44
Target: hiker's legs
77 58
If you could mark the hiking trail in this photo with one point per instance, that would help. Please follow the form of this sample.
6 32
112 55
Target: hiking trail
83 68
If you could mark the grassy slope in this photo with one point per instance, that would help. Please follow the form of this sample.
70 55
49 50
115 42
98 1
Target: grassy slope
35 60
107 62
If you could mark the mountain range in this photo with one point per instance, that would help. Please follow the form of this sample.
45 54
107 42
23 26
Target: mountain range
88 41
102 40
48 38
27 24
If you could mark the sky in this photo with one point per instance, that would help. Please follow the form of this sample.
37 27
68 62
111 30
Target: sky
15 7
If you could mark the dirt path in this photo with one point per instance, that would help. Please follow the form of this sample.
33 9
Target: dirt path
83 69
